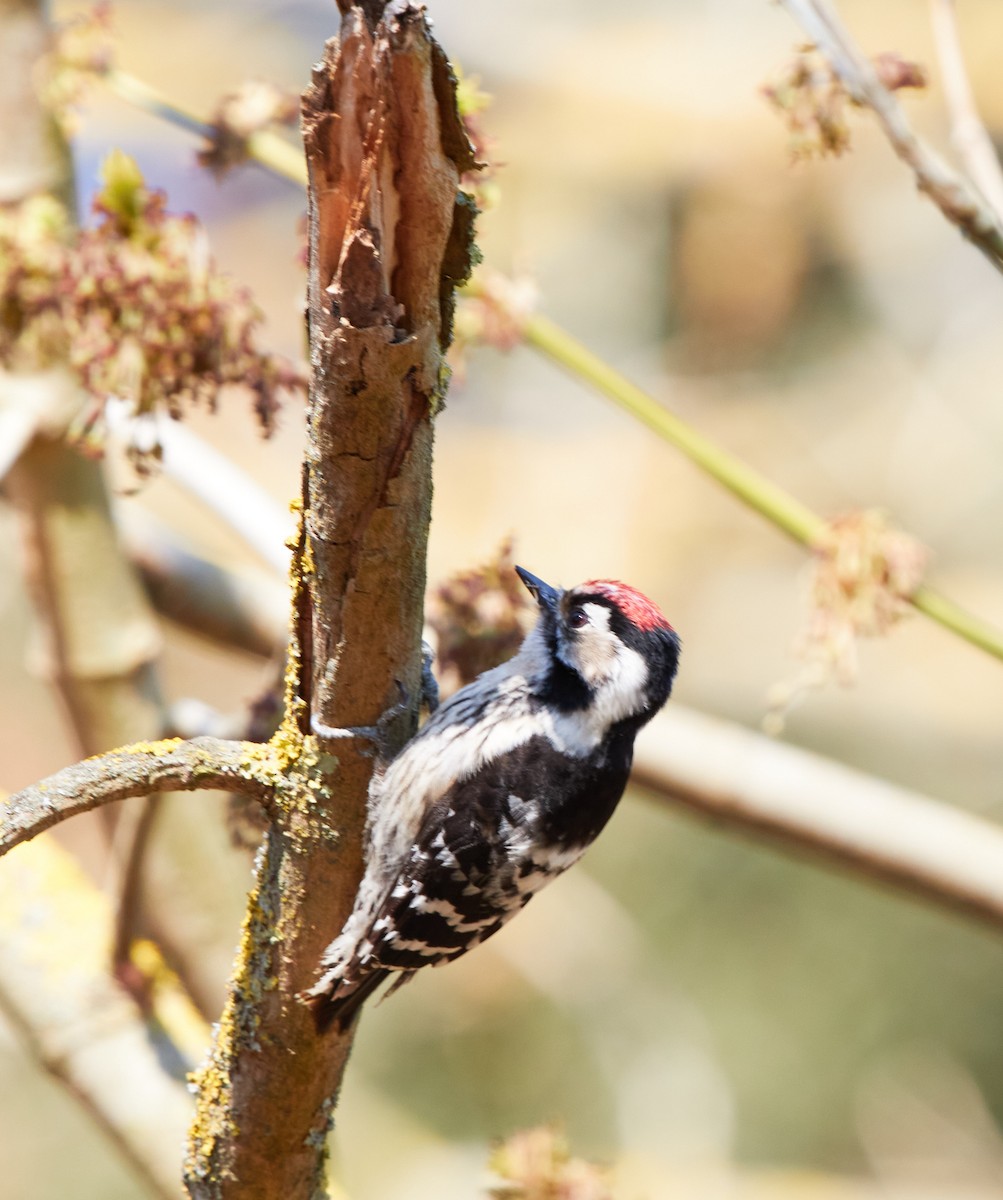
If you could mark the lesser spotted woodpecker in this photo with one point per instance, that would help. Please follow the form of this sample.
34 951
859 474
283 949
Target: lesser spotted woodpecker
505 787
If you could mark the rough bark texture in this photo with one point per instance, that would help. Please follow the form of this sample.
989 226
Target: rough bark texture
388 238
145 769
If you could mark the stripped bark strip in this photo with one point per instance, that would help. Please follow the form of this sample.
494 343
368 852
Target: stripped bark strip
388 239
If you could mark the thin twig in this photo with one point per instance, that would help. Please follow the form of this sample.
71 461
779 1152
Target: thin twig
753 489
129 883
960 203
742 480
968 133
223 487
140 770
265 147
752 784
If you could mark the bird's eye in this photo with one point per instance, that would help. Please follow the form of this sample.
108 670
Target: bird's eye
577 618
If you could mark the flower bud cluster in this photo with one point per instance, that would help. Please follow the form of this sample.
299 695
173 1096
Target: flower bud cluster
133 305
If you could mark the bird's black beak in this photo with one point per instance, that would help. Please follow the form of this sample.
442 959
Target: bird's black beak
545 595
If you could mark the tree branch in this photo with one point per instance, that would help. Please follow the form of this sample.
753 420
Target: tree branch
266 147
752 489
790 797
78 1023
139 770
962 206
757 492
388 241
968 133
227 490
242 608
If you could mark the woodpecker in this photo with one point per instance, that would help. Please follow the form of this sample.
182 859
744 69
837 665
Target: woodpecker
505 787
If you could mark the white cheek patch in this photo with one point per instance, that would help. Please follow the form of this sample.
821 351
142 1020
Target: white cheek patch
617 677
623 692
591 649
616 674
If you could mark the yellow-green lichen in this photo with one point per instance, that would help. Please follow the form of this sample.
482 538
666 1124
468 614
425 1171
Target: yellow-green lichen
237 1031
437 400
154 749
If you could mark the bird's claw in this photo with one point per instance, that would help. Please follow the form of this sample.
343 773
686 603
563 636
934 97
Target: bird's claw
376 734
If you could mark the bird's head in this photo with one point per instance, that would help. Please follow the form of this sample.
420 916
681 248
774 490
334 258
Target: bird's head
602 645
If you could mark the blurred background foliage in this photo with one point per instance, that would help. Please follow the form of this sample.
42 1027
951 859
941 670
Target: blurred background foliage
709 1016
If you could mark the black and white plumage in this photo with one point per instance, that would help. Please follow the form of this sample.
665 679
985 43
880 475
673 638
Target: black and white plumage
504 788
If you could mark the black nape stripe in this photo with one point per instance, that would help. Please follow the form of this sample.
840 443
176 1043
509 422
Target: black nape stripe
564 689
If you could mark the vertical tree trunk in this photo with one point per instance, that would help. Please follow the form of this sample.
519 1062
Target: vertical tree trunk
388 239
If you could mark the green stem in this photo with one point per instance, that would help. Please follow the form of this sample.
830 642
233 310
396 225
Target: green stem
265 147
738 477
752 488
134 91
965 624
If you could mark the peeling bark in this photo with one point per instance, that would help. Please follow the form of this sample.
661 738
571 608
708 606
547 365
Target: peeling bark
385 152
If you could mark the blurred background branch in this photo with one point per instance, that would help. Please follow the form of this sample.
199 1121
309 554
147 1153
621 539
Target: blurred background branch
749 783
126 1072
971 139
977 219
244 608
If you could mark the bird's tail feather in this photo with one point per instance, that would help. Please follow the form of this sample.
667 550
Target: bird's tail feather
342 1010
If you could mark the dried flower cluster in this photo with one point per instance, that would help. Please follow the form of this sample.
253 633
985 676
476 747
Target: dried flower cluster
254 106
812 100
491 312
133 305
864 573
535 1164
82 51
479 619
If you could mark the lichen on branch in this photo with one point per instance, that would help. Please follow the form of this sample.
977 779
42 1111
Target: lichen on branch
139 770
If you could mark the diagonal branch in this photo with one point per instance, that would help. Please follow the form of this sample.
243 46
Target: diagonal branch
242 608
754 490
140 770
751 488
952 194
79 1025
968 133
789 797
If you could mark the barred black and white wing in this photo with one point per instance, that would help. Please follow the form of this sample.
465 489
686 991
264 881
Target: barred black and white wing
484 850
